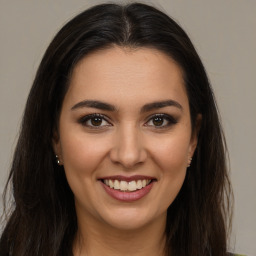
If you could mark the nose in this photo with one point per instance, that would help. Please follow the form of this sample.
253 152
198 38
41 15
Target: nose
128 148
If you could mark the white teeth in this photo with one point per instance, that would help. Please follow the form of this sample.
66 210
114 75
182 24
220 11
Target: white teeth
132 186
111 183
127 186
116 184
123 185
139 184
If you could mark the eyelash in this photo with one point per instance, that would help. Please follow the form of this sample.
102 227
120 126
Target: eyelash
87 118
169 119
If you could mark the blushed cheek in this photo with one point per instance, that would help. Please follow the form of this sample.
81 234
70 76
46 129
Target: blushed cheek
82 155
172 155
81 159
173 160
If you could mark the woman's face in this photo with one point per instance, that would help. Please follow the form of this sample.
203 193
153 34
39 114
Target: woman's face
125 136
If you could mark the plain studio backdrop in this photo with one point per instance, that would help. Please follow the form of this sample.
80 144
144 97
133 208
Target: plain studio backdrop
224 34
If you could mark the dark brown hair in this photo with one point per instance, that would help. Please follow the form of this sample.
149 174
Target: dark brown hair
43 219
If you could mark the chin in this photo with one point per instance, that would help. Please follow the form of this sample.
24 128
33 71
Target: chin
131 219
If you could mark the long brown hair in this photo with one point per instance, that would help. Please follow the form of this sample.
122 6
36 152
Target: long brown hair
43 219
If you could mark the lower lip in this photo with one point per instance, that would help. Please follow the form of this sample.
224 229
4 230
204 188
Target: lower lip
128 196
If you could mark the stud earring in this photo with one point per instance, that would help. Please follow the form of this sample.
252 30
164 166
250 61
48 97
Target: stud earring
189 161
57 160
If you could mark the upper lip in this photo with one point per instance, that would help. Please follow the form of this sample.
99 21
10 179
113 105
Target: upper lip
125 178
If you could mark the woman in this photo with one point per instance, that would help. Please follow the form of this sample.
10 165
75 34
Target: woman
121 151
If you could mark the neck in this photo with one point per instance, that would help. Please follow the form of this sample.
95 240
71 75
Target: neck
95 239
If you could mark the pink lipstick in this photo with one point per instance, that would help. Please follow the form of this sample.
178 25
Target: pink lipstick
127 189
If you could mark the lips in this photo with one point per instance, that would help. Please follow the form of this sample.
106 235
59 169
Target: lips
127 188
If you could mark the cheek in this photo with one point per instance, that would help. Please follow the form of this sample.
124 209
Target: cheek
172 154
82 153
82 156
173 165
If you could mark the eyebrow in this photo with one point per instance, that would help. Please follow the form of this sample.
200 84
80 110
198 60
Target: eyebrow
94 104
108 107
160 104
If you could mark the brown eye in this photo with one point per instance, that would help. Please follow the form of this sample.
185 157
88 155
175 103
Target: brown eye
96 121
161 121
158 121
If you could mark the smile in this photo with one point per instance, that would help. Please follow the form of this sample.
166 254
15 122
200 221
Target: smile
126 186
128 189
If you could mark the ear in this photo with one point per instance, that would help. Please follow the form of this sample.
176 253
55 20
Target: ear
57 147
194 136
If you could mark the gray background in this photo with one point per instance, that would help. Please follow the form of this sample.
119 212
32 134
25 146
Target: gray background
223 32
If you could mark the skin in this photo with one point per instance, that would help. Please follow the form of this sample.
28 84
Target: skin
127 143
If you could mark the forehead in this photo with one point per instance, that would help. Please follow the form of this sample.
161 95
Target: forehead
126 75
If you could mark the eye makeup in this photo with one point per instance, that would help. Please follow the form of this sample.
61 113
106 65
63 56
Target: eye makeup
100 121
160 121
